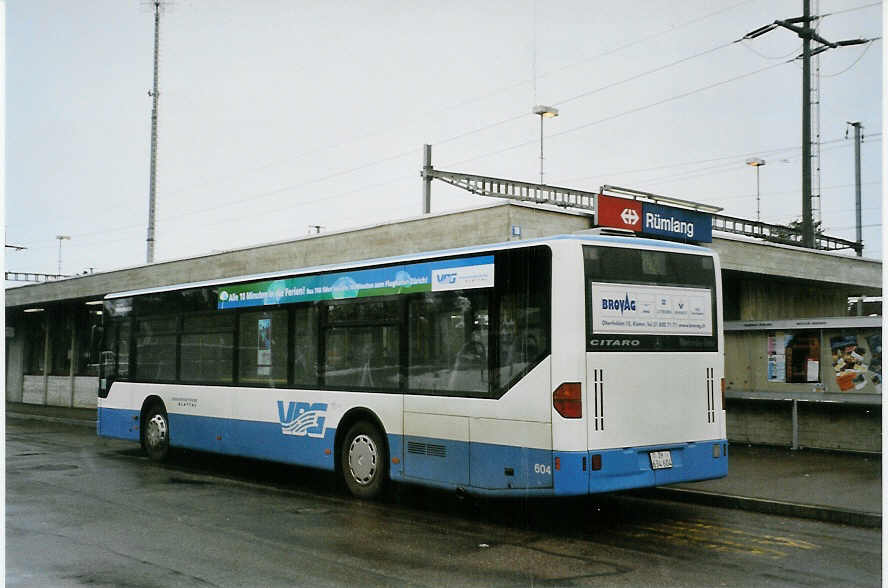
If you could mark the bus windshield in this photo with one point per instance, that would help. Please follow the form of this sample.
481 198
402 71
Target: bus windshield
643 300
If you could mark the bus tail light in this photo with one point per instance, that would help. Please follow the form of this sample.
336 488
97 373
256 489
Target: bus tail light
723 394
568 400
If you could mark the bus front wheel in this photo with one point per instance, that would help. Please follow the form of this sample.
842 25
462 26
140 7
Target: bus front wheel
364 460
156 433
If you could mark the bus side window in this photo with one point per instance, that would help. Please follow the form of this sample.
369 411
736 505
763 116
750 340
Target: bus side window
448 342
522 323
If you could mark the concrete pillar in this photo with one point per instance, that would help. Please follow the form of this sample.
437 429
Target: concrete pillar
15 365
72 371
47 355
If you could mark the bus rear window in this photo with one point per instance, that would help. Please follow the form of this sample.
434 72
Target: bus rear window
642 300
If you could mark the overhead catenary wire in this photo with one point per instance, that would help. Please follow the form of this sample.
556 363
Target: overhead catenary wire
617 115
85 237
855 62
563 101
270 193
278 190
273 192
81 237
388 128
853 9
732 166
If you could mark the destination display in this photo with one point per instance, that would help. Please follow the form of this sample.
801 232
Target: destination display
654 219
435 276
631 309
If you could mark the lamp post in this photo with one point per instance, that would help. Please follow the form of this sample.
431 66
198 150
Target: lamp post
61 238
543 112
757 163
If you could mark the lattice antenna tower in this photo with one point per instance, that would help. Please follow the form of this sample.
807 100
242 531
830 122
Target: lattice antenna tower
815 125
156 7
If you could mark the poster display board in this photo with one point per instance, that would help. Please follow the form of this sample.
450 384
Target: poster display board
794 357
856 361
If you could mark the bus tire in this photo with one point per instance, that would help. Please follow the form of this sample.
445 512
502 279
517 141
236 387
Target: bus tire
156 433
364 460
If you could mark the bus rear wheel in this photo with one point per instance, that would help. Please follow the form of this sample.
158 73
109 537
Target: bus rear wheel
364 460
156 433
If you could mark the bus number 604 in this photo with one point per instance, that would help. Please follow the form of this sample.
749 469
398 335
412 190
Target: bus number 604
541 468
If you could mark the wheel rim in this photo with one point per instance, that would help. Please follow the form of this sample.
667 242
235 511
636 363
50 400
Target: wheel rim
156 432
362 458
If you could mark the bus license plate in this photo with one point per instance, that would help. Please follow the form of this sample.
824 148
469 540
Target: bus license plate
661 460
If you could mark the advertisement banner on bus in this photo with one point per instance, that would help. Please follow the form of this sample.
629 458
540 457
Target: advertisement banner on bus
650 310
435 276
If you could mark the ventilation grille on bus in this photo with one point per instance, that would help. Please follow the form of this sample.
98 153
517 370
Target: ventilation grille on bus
598 388
426 449
710 395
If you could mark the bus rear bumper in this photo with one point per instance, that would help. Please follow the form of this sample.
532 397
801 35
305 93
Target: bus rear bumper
623 469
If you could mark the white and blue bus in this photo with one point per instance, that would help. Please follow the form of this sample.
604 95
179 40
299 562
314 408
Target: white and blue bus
559 366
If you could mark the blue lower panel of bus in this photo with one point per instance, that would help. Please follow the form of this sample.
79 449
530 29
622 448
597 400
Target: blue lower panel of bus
480 468
118 423
260 440
483 466
622 469
234 437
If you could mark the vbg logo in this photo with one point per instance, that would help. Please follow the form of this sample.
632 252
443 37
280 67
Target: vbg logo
622 305
302 418
448 278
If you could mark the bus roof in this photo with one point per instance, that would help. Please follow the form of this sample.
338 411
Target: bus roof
632 242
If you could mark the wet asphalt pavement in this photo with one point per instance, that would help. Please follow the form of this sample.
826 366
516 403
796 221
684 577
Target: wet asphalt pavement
88 511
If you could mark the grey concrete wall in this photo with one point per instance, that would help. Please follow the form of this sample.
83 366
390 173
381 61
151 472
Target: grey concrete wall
441 231
772 300
840 427
771 259
15 362
58 391
821 426
85 390
429 233
34 390
776 282
759 423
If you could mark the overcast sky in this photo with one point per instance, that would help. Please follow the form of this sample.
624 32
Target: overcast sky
279 115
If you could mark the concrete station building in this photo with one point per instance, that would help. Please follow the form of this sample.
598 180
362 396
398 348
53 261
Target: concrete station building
801 368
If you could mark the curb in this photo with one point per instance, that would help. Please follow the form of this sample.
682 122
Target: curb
776 507
39 417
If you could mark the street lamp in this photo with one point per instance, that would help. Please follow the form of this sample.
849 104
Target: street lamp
757 163
61 238
543 112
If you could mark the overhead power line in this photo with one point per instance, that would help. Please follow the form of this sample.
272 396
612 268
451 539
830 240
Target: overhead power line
618 115
801 26
834 12
510 87
563 101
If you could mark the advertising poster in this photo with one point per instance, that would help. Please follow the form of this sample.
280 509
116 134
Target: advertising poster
857 362
263 348
657 310
434 276
776 358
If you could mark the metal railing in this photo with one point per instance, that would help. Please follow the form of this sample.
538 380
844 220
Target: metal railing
779 233
33 277
583 200
515 190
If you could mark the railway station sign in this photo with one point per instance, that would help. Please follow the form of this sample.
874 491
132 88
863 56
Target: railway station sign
649 218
